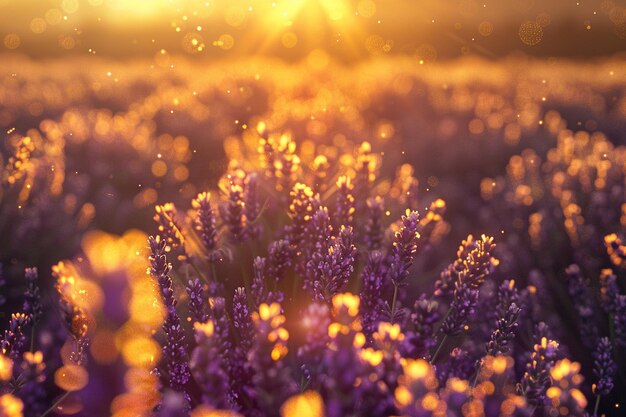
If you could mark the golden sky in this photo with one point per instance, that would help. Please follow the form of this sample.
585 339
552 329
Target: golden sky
289 29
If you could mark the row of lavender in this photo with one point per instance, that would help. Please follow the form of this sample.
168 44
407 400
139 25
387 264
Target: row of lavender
297 279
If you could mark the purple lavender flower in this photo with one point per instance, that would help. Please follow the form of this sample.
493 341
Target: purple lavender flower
300 211
477 264
278 259
373 230
473 259
242 320
619 321
584 303
233 212
241 371
260 293
169 228
371 286
341 363
197 301
604 367
33 376
252 206
430 223
272 382
208 368
204 224
462 308
616 249
219 317
504 333
174 349
404 248
344 206
333 269
12 344
609 291
460 364
315 320
319 235
419 341
614 304
32 298
536 378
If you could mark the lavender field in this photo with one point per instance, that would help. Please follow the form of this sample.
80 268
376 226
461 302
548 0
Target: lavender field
263 235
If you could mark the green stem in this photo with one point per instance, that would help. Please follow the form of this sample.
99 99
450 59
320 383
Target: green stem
56 403
432 360
200 274
393 302
595 409
476 379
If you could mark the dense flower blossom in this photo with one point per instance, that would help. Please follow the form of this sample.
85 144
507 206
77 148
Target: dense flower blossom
584 303
262 284
205 223
233 212
344 206
169 228
536 379
373 230
197 301
404 248
503 334
271 380
604 367
174 348
209 372
372 279
334 267
32 298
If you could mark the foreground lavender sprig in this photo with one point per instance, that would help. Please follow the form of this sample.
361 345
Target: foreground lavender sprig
334 267
372 280
204 224
175 347
401 258
373 231
32 298
208 369
503 335
604 369
272 382
12 344
241 371
536 379
476 266
197 301
584 303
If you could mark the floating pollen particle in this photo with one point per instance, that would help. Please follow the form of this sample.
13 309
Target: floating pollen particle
530 33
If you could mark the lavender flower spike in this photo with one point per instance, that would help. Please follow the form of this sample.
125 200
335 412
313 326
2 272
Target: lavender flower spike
604 367
32 302
204 223
404 248
335 267
174 350
197 301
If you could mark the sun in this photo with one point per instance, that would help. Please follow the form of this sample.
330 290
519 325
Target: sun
313 20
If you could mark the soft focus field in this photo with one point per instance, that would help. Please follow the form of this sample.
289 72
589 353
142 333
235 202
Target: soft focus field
528 152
